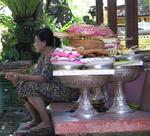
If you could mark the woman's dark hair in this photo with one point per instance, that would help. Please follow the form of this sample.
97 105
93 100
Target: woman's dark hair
57 42
45 34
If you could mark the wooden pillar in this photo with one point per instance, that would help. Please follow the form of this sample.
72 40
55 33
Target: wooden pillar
99 12
112 15
131 20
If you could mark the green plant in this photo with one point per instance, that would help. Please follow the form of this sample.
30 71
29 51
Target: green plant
7 21
23 9
8 39
48 21
147 2
25 14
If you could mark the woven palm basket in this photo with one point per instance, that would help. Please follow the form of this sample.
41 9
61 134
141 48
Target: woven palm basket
87 43
78 40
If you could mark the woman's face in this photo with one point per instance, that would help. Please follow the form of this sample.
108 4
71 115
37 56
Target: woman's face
39 45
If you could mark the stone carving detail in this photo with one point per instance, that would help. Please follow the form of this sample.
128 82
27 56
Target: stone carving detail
125 74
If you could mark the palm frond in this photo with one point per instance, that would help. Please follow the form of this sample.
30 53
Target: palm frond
22 8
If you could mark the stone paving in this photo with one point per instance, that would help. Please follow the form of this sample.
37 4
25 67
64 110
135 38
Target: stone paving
10 121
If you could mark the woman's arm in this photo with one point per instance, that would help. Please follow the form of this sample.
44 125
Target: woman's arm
15 77
36 78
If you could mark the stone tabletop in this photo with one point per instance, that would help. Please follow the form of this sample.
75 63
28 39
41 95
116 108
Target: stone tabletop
83 72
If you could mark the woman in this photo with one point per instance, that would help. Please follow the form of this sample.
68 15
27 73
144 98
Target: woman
41 88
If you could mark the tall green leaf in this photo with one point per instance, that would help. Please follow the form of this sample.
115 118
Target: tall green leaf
22 9
25 14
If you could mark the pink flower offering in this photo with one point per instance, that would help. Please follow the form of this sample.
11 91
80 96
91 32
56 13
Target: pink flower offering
90 30
65 55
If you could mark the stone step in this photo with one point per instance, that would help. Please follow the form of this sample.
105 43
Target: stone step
65 123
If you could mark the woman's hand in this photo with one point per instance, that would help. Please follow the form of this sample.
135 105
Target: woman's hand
13 77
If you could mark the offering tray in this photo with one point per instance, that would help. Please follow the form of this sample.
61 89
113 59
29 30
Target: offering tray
67 66
86 63
130 63
98 63
142 51
85 80
130 57
146 54
98 66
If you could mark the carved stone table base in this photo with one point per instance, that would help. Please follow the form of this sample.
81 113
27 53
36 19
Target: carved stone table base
122 75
